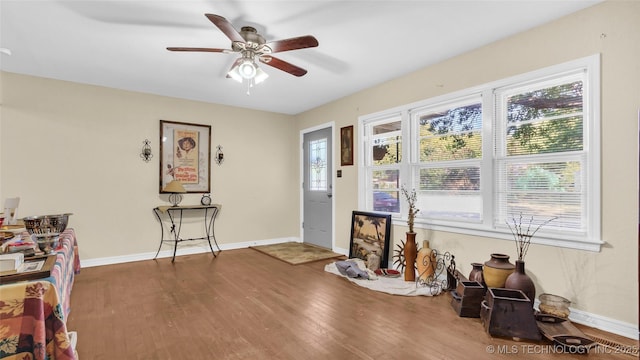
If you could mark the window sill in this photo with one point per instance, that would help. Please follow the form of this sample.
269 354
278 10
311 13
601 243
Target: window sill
578 244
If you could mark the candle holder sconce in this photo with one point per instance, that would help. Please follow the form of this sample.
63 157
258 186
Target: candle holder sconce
219 155
145 153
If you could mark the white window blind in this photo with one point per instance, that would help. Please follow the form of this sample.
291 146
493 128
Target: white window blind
384 156
540 152
447 171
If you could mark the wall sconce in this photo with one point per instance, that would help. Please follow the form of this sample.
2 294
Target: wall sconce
146 154
219 155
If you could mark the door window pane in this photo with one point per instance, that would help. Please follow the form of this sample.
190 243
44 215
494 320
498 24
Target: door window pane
318 165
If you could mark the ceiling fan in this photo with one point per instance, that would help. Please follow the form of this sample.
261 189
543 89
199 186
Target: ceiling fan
251 46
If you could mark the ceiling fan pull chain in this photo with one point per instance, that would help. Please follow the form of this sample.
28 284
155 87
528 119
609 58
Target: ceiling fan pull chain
249 86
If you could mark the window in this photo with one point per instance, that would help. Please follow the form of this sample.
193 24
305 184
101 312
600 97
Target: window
318 165
448 165
540 152
384 156
480 157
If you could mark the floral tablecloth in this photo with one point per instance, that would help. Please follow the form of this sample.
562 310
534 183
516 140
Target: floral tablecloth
33 313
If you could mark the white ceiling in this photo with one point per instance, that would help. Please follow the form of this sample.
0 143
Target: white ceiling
122 44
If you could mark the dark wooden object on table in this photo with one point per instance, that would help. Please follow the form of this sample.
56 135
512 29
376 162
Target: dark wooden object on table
562 332
7 277
466 299
508 313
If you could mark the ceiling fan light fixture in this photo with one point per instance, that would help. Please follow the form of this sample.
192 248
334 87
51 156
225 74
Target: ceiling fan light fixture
235 74
260 76
247 69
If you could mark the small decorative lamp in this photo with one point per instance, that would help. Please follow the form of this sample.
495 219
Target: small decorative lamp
176 189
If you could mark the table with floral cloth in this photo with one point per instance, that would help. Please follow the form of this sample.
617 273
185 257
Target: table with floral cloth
33 313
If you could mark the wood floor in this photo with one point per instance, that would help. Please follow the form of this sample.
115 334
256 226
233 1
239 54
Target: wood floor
247 305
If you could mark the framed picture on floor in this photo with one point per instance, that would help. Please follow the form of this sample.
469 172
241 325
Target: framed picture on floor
185 155
370 233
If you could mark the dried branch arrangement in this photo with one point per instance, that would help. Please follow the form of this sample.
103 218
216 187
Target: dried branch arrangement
523 233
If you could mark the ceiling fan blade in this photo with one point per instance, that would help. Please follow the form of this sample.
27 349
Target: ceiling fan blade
300 42
283 65
225 26
199 49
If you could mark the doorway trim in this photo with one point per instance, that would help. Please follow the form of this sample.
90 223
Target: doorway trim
331 125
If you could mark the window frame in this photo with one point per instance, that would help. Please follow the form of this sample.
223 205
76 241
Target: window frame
366 156
416 164
591 241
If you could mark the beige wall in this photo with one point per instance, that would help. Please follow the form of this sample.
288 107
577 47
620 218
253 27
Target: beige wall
604 283
75 148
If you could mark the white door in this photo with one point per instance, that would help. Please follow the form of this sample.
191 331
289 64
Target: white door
317 188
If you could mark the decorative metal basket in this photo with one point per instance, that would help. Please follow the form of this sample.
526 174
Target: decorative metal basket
46 225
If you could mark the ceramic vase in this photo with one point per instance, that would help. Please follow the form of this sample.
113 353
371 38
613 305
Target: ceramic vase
426 263
521 281
496 270
476 273
410 253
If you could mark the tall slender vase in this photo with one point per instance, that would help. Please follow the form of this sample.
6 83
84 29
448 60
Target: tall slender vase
521 281
410 254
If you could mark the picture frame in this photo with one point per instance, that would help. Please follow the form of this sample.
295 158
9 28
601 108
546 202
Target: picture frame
370 232
346 145
185 155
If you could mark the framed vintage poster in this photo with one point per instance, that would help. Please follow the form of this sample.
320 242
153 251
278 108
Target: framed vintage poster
185 155
370 233
346 145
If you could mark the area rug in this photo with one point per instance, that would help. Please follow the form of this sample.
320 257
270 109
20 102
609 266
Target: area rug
296 253
389 285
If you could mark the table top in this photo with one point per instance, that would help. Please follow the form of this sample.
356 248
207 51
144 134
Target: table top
165 208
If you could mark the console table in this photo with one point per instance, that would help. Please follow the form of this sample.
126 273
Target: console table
174 215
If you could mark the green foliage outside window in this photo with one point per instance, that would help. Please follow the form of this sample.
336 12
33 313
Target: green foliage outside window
544 121
454 134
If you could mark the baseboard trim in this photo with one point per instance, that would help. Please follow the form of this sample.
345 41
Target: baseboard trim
182 250
342 251
581 317
603 323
